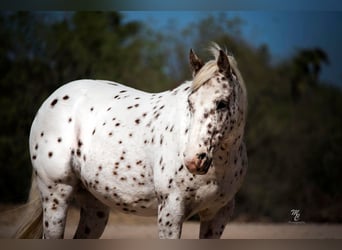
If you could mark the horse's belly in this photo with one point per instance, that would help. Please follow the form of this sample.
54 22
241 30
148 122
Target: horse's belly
139 203
126 187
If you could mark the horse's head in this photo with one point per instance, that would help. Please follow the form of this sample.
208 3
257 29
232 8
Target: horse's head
213 105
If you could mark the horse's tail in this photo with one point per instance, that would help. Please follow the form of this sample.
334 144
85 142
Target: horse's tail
30 224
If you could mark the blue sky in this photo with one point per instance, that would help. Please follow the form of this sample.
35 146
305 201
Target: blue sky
284 32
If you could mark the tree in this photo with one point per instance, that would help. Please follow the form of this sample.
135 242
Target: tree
306 68
44 51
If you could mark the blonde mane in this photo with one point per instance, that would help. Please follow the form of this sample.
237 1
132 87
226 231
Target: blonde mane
209 69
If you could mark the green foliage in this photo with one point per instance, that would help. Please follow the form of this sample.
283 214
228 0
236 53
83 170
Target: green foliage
294 143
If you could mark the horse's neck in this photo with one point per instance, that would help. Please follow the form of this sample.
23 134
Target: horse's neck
242 99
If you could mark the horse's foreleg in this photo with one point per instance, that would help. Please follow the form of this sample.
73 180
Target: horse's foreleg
170 217
212 225
93 216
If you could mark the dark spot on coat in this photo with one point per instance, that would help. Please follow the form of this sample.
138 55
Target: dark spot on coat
66 97
53 103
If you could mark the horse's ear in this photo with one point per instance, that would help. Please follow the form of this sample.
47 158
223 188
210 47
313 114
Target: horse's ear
195 62
223 62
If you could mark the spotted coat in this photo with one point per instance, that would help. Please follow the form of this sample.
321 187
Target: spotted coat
171 154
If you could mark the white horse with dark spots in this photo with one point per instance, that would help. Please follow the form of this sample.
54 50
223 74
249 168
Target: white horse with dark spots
108 146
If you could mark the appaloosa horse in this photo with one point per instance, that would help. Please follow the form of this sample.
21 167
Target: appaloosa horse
172 154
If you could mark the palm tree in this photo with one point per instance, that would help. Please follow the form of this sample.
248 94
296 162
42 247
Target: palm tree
306 69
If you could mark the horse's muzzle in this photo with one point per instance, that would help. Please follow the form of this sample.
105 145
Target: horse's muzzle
199 165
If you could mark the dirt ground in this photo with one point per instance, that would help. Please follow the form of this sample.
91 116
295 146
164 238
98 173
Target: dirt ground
123 226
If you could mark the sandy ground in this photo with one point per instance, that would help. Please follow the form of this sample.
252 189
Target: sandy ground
123 226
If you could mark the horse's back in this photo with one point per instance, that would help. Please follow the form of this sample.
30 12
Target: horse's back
74 102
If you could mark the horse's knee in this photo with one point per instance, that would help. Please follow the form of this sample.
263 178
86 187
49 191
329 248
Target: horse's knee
171 216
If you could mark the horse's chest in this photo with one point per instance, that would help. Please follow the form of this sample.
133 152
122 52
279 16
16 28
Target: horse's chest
211 190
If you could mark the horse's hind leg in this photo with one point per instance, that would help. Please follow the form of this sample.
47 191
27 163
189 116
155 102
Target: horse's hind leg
55 201
93 216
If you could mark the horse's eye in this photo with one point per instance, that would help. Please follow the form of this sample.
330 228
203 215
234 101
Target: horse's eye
220 105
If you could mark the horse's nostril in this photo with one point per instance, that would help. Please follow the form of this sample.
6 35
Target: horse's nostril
202 156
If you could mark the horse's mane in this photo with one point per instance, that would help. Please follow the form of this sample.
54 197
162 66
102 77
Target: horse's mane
209 69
